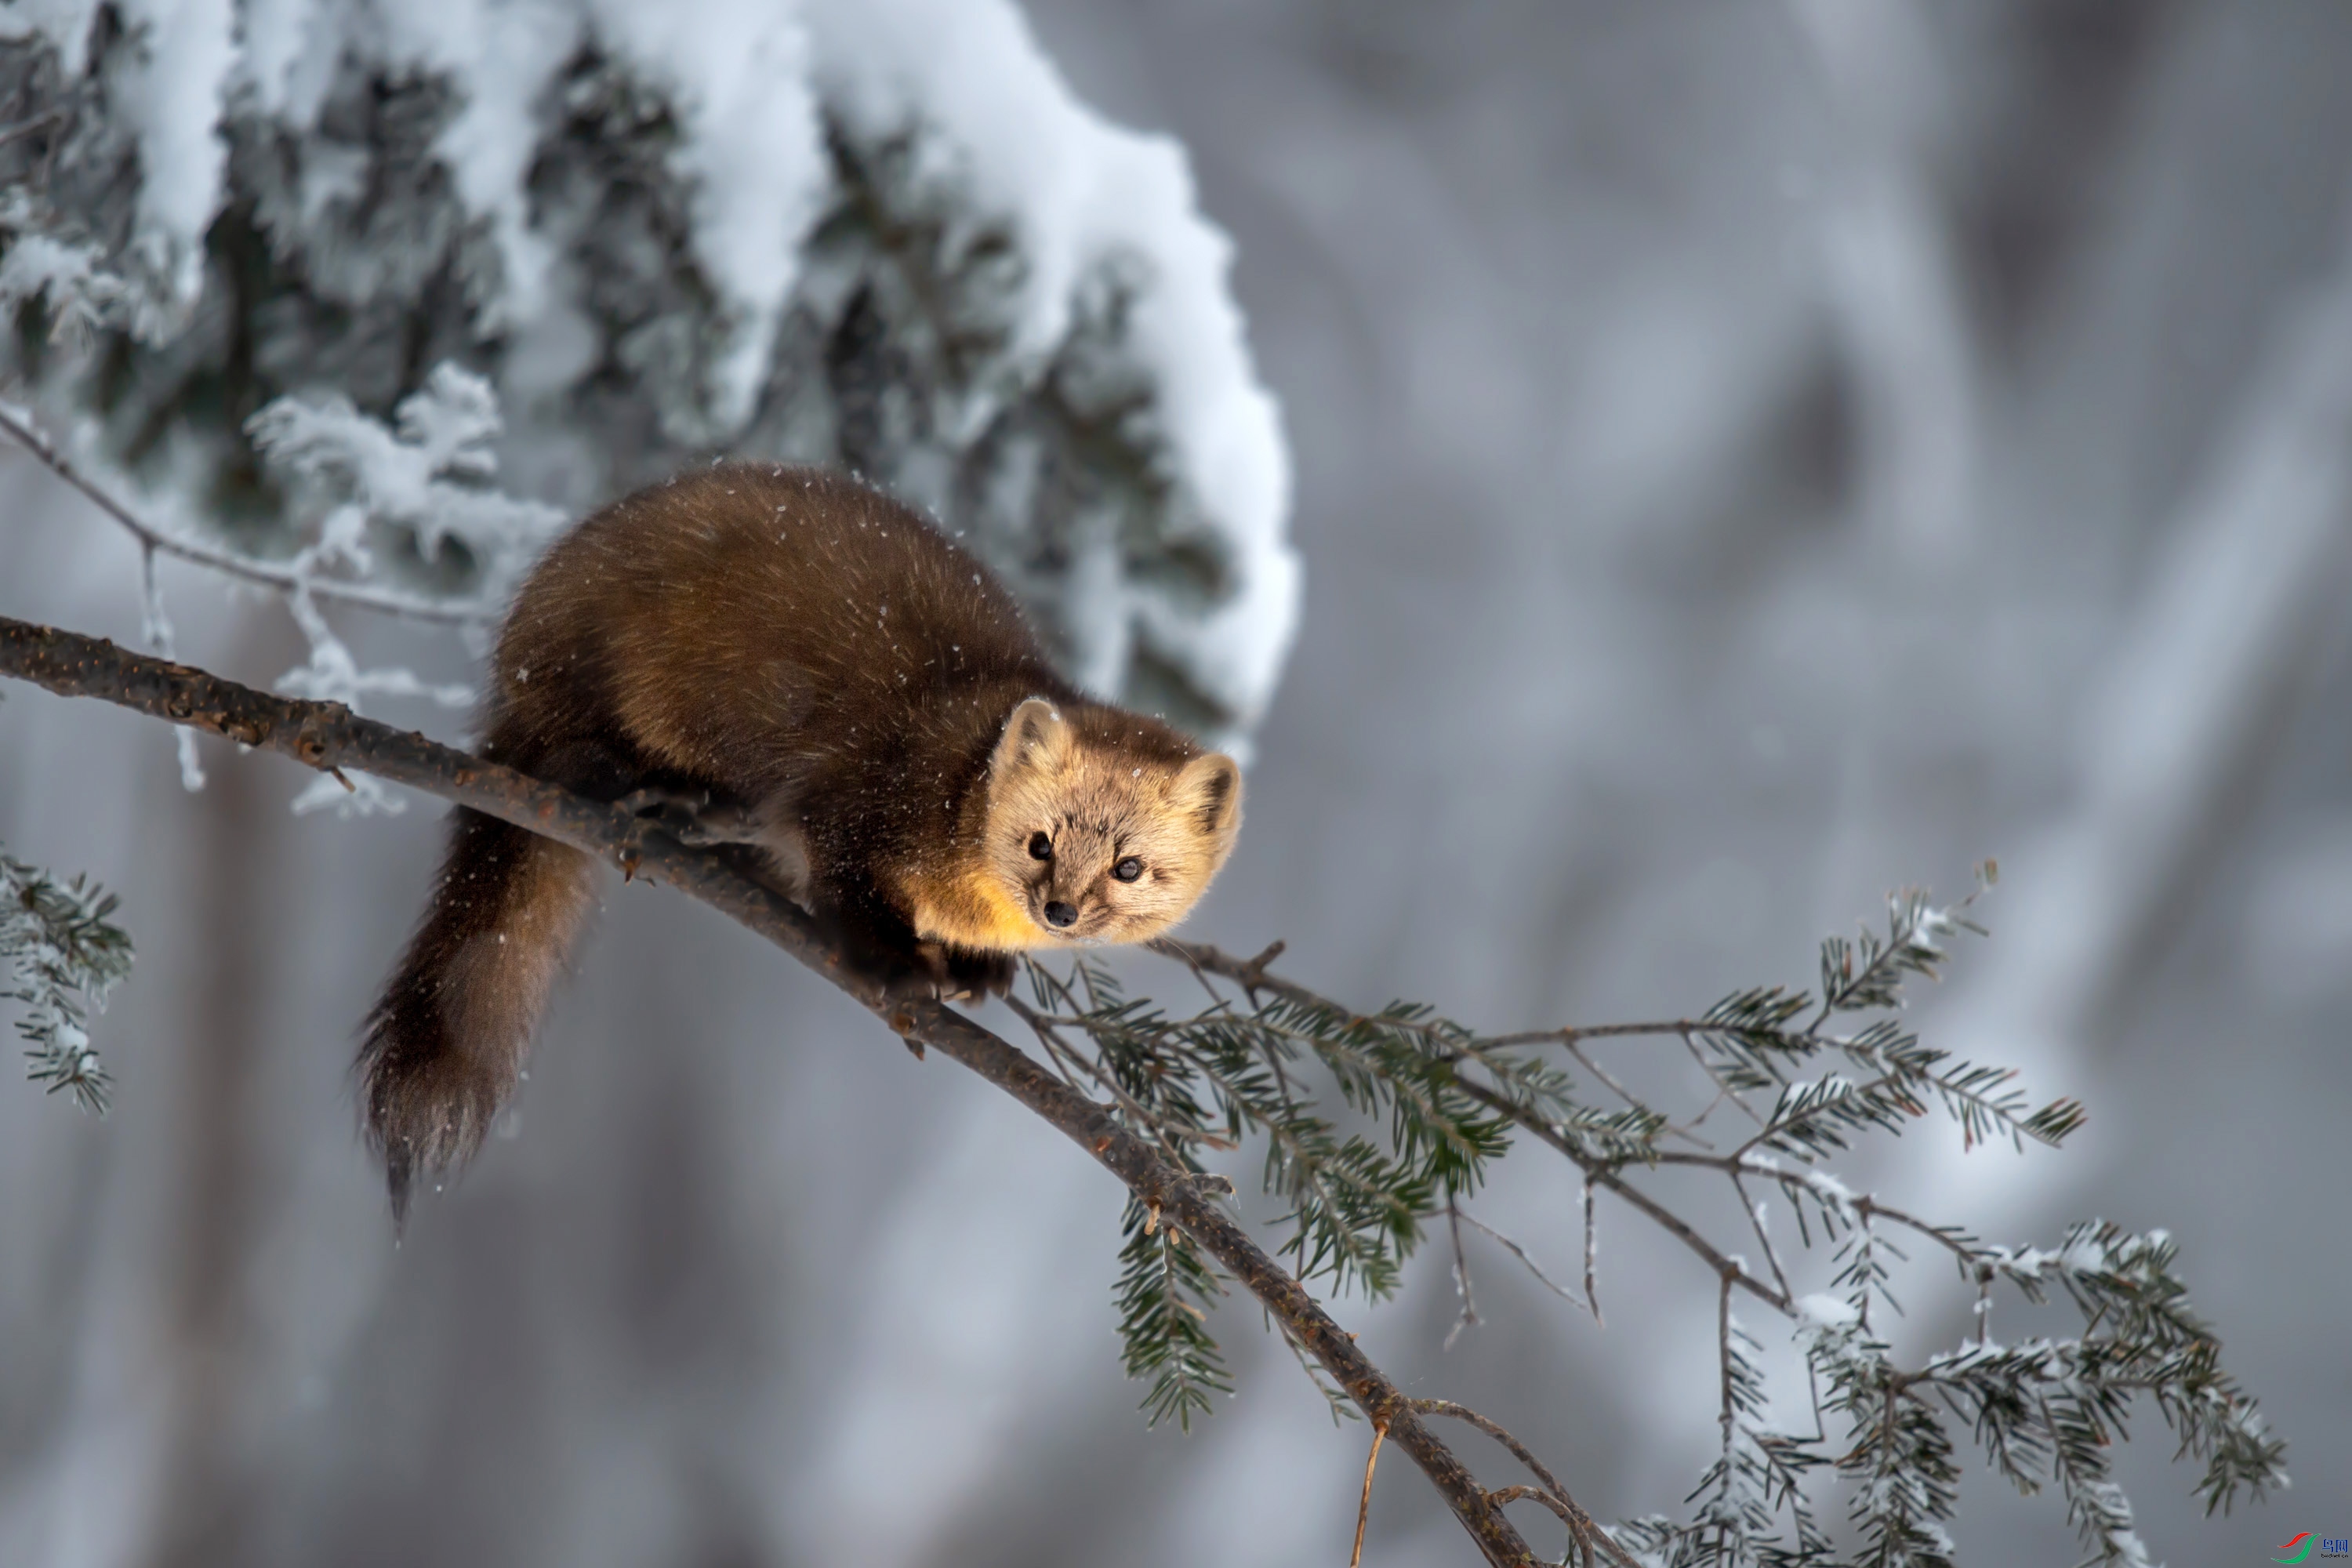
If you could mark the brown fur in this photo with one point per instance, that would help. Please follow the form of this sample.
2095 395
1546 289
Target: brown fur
862 693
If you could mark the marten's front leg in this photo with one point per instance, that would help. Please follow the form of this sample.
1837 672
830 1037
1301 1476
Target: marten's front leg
878 943
881 944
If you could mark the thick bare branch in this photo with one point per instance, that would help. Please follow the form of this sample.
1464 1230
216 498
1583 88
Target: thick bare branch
330 737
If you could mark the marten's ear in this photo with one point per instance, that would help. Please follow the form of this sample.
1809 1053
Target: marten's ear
1209 791
1035 736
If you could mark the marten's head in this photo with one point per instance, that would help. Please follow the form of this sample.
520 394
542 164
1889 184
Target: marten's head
1109 836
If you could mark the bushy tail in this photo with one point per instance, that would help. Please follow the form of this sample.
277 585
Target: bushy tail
443 1048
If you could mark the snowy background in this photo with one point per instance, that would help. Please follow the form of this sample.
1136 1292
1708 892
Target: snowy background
1745 457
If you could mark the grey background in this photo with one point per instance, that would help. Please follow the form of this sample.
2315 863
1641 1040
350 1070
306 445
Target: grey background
1750 457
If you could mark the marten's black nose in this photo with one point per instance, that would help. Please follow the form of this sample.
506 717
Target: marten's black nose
1058 913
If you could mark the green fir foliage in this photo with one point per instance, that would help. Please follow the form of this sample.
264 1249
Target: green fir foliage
1165 1287
61 954
1369 1126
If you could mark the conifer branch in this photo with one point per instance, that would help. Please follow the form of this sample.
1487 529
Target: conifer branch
1665 1219
328 736
2048 1411
1584 1533
62 955
1439 1103
1516 1250
17 425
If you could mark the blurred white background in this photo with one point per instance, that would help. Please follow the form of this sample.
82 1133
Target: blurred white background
1749 456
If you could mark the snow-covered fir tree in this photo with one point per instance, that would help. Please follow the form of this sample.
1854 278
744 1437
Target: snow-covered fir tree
389 289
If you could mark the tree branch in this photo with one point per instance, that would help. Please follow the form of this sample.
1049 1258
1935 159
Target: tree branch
16 425
1251 975
328 736
1554 1496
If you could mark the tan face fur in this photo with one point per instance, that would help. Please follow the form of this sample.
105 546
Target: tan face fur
1095 810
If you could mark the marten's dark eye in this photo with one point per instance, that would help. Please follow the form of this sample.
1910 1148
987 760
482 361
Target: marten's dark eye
1129 869
1040 847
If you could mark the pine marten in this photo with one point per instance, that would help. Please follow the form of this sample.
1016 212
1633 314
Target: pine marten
865 704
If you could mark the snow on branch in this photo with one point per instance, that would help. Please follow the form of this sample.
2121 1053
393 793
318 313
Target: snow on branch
422 485
881 233
430 476
326 445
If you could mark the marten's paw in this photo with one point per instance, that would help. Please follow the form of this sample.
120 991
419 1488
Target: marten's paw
875 956
975 976
694 820
880 951
946 974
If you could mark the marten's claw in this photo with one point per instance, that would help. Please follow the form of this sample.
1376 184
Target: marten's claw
900 972
957 974
915 984
976 976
